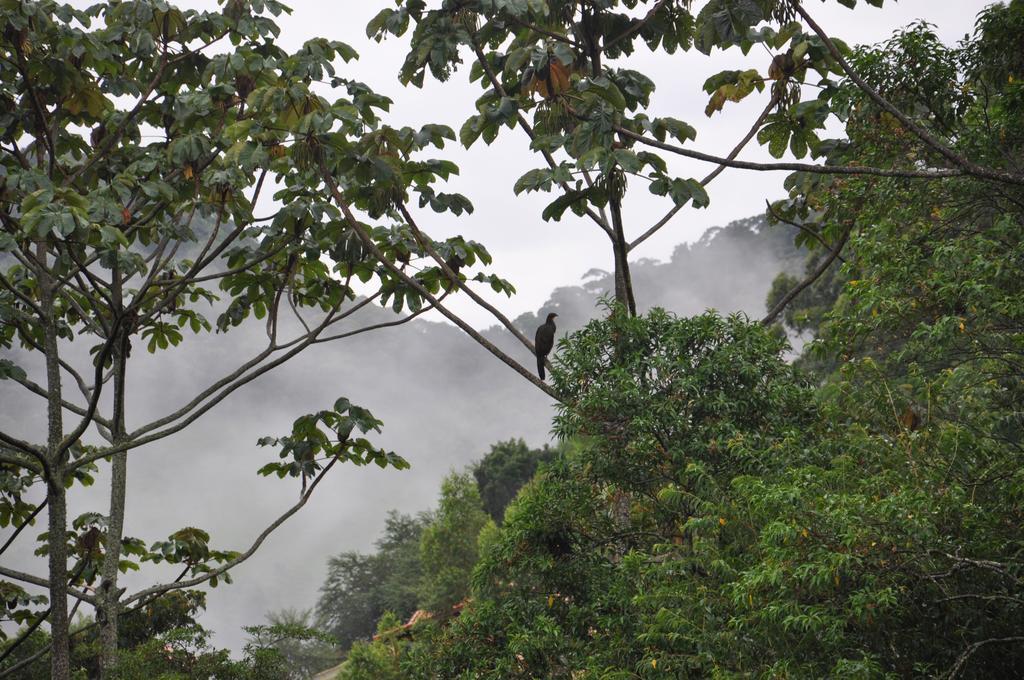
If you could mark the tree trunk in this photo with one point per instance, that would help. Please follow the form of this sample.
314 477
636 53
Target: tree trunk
108 591
60 655
623 281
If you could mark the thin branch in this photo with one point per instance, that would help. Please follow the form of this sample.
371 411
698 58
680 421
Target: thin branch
72 408
542 31
26 448
236 375
636 26
802 227
21 527
811 278
528 129
203 578
454 278
187 418
43 583
969 652
949 154
90 410
378 326
37 106
791 167
713 174
108 143
418 287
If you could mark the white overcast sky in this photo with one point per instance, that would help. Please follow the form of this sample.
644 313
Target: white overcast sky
538 256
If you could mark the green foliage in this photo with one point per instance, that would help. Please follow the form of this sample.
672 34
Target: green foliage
504 470
289 634
448 547
359 588
380 659
135 140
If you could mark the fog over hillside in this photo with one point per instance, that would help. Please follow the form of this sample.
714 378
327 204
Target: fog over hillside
442 398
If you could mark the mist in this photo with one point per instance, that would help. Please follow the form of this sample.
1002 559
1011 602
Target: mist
443 399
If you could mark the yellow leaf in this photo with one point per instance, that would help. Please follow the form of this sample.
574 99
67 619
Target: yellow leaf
654 663
187 173
804 533
721 521
962 327
551 601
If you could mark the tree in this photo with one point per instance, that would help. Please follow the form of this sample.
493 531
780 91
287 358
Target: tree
289 635
864 528
448 548
504 470
359 588
137 139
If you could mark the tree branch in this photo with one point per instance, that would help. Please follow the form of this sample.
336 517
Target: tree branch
178 585
969 652
811 278
802 227
949 154
528 129
27 522
792 167
43 583
454 278
713 174
636 26
418 287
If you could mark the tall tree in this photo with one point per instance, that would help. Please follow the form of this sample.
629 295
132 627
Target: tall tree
504 470
448 548
137 140
360 588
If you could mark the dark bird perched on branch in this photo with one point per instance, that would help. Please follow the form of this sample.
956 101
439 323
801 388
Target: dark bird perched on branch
544 341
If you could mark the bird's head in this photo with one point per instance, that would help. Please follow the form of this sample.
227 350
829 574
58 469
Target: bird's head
551 317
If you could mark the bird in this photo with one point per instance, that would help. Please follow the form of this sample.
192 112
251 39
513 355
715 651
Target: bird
544 340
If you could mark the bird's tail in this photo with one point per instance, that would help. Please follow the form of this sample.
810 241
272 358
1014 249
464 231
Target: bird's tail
540 367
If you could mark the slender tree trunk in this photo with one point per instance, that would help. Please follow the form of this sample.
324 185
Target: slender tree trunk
623 280
60 655
109 592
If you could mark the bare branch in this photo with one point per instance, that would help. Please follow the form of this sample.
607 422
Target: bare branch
713 174
43 583
26 448
969 652
37 389
203 578
811 278
791 167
